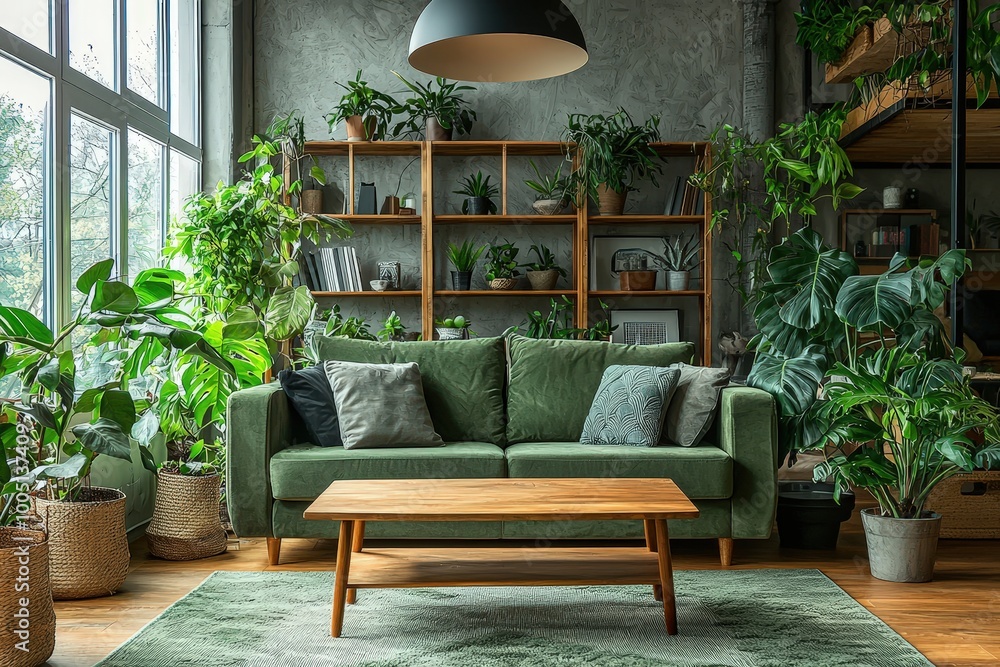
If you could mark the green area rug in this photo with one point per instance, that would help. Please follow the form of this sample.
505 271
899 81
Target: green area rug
739 617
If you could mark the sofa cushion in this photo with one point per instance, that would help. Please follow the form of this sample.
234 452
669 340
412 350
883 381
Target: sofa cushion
700 472
629 406
463 380
303 472
311 396
553 382
691 412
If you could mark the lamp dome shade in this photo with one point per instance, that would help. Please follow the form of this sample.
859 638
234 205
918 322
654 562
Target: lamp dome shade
497 40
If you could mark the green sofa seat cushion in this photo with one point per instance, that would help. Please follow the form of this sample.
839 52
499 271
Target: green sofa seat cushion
303 472
553 382
463 380
700 472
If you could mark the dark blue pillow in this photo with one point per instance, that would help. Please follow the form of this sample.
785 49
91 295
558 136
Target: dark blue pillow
312 397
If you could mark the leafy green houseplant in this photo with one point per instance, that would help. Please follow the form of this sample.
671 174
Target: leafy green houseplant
552 191
636 267
557 323
501 266
393 329
365 111
454 328
544 273
479 194
463 258
438 111
615 155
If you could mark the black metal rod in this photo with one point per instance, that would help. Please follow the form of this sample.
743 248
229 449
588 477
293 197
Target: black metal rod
959 105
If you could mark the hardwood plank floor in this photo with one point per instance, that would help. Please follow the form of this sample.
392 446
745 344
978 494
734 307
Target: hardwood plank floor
952 620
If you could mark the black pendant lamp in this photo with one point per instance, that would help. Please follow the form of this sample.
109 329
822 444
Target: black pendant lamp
497 40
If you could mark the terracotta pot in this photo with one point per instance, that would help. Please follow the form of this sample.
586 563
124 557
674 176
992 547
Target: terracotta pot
433 131
610 202
24 557
637 281
503 284
358 130
543 280
549 206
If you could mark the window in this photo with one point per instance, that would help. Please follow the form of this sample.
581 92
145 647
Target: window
93 47
91 198
184 59
145 202
31 20
145 48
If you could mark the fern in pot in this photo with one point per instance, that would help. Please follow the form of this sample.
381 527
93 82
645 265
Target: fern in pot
463 258
439 112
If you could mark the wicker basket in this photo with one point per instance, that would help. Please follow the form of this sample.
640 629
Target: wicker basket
969 504
186 523
40 637
88 546
503 284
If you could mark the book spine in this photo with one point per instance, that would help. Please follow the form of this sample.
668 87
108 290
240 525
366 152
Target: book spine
356 267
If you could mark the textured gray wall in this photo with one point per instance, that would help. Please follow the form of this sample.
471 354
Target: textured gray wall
677 58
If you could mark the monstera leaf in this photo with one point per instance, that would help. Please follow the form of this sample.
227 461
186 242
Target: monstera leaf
793 381
815 270
870 303
288 312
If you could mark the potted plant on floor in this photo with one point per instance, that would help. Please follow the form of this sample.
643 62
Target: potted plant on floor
544 274
552 191
365 112
463 258
679 258
501 266
453 328
437 112
615 155
479 194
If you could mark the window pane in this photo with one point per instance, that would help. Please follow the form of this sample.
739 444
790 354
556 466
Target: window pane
92 42
25 101
185 180
142 18
184 68
31 20
145 202
92 219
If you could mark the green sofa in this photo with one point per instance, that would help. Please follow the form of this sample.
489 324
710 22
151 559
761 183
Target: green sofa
506 408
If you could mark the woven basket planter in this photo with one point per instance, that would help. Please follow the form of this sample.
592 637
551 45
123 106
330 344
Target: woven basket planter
88 547
24 558
186 523
503 284
969 505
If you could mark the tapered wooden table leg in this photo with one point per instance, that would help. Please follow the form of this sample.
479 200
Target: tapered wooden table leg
666 576
341 577
649 526
356 545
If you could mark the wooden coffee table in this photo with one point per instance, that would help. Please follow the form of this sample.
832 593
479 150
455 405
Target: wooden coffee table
355 502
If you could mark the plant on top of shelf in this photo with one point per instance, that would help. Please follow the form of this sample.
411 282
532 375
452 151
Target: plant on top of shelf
454 328
438 113
557 324
543 274
501 266
338 326
365 111
393 329
552 191
479 194
463 258
679 257
615 155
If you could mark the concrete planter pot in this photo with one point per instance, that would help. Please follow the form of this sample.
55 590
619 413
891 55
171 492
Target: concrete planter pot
434 131
678 281
901 550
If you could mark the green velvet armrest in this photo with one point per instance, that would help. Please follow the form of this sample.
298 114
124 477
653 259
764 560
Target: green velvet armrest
258 426
748 432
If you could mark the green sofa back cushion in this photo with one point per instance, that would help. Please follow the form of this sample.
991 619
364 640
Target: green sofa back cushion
553 382
463 380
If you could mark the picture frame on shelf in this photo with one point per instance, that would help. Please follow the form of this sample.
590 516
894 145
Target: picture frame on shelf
603 271
646 327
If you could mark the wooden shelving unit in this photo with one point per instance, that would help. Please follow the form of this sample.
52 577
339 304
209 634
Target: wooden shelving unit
579 226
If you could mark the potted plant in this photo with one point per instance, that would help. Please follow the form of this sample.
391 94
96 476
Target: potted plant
437 112
365 111
544 273
186 523
393 330
479 194
557 324
615 155
453 328
679 257
552 191
463 258
501 266
636 268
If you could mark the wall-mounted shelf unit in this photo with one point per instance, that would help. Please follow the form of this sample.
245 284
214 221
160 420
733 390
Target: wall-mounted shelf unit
580 226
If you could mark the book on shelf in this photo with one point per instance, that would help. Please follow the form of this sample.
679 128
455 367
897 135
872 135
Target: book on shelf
693 202
335 270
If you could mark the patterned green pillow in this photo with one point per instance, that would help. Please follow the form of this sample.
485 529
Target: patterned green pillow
629 406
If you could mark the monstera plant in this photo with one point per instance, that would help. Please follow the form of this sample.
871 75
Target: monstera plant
816 311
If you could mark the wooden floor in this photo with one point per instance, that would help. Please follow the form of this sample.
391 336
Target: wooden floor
955 620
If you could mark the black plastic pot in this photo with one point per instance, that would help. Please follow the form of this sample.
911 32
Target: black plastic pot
808 516
461 281
477 205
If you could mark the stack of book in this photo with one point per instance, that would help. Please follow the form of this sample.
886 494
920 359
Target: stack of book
887 240
333 270
685 198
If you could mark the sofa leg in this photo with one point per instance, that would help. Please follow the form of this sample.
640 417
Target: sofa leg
726 551
273 550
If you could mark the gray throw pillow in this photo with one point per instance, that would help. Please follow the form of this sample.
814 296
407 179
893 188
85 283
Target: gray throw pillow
629 406
381 405
692 409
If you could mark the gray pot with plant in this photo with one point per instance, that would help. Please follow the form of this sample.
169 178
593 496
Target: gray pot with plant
439 112
479 194
463 258
679 258
616 154
544 273
501 266
637 266
453 328
365 112
551 189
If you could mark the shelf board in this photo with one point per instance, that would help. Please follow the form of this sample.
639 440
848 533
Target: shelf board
643 219
374 148
659 293
873 49
892 211
378 219
388 294
507 293
477 148
530 219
